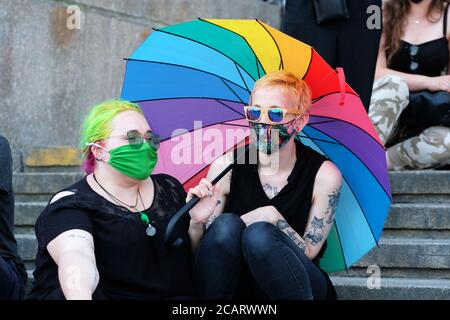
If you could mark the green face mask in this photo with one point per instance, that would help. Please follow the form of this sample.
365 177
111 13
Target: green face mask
137 163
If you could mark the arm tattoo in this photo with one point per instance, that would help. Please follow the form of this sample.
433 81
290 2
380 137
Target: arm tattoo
284 226
297 240
212 217
271 191
333 200
78 236
314 234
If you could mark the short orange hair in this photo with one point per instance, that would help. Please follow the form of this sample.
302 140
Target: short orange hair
297 88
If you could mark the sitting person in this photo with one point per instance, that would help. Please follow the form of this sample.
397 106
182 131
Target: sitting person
102 237
413 56
13 276
269 222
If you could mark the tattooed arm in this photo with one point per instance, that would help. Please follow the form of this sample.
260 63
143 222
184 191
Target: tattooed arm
326 193
73 252
204 214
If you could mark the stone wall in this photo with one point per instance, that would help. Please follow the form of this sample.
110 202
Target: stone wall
51 75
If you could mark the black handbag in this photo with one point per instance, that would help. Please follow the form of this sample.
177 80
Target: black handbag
425 109
328 10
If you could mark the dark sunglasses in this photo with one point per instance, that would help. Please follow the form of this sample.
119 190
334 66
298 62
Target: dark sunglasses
413 51
136 139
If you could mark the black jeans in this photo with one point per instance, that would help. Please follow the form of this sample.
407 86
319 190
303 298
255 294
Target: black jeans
11 285
278 266
13 275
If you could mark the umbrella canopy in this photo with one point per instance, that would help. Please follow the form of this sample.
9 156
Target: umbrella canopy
192 81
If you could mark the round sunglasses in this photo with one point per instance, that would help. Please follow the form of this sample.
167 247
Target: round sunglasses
275 115
136 139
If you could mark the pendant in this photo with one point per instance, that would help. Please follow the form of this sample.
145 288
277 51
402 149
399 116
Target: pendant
150 231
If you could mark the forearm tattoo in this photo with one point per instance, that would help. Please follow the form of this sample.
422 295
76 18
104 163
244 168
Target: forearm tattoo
212 217
314 234
333 200
284 226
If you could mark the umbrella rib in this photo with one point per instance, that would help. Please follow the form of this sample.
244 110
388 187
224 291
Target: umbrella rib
226 106
256 57
223 80
330 93
176 98
187 67
243 81
203 44
343 145
310 62
276 44
320 122
356 199
352 124
340 246
257 67
315 139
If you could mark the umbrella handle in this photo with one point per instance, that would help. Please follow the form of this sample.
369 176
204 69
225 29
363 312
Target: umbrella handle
168 238
341 76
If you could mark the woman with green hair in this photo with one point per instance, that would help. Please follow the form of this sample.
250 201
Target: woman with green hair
102 237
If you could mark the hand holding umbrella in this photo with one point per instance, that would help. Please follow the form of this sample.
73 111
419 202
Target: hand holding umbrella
207 194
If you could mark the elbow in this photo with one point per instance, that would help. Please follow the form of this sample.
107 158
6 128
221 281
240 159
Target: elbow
380 72
78 275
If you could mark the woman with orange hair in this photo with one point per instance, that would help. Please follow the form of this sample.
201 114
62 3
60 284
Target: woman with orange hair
102 237
269 223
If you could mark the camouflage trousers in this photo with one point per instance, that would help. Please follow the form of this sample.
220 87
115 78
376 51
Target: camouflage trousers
430 149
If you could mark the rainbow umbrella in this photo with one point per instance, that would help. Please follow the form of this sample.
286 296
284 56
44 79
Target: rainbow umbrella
192 81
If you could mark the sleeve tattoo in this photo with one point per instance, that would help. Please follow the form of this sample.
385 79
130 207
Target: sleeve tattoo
284 226
315 232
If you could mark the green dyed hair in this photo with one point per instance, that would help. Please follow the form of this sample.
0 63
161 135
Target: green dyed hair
97 124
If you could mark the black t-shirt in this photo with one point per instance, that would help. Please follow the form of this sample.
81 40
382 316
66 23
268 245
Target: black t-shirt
8 244
131 264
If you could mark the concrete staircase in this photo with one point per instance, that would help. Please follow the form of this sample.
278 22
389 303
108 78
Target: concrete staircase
414 250
413 254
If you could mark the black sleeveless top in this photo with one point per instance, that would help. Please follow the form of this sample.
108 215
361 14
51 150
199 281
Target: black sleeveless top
429 58
293 201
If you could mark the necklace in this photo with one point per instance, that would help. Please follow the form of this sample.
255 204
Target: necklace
151 230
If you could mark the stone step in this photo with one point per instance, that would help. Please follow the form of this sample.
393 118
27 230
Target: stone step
409 253
411 186
419 219
26 213
420 186
424 216
27 246
402 182
396 273
43 183
396 253
356 288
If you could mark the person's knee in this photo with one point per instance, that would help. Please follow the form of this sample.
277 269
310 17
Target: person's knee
225 231
393 84
258 240
437 136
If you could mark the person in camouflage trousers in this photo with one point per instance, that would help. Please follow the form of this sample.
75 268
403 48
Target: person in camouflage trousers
430 149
